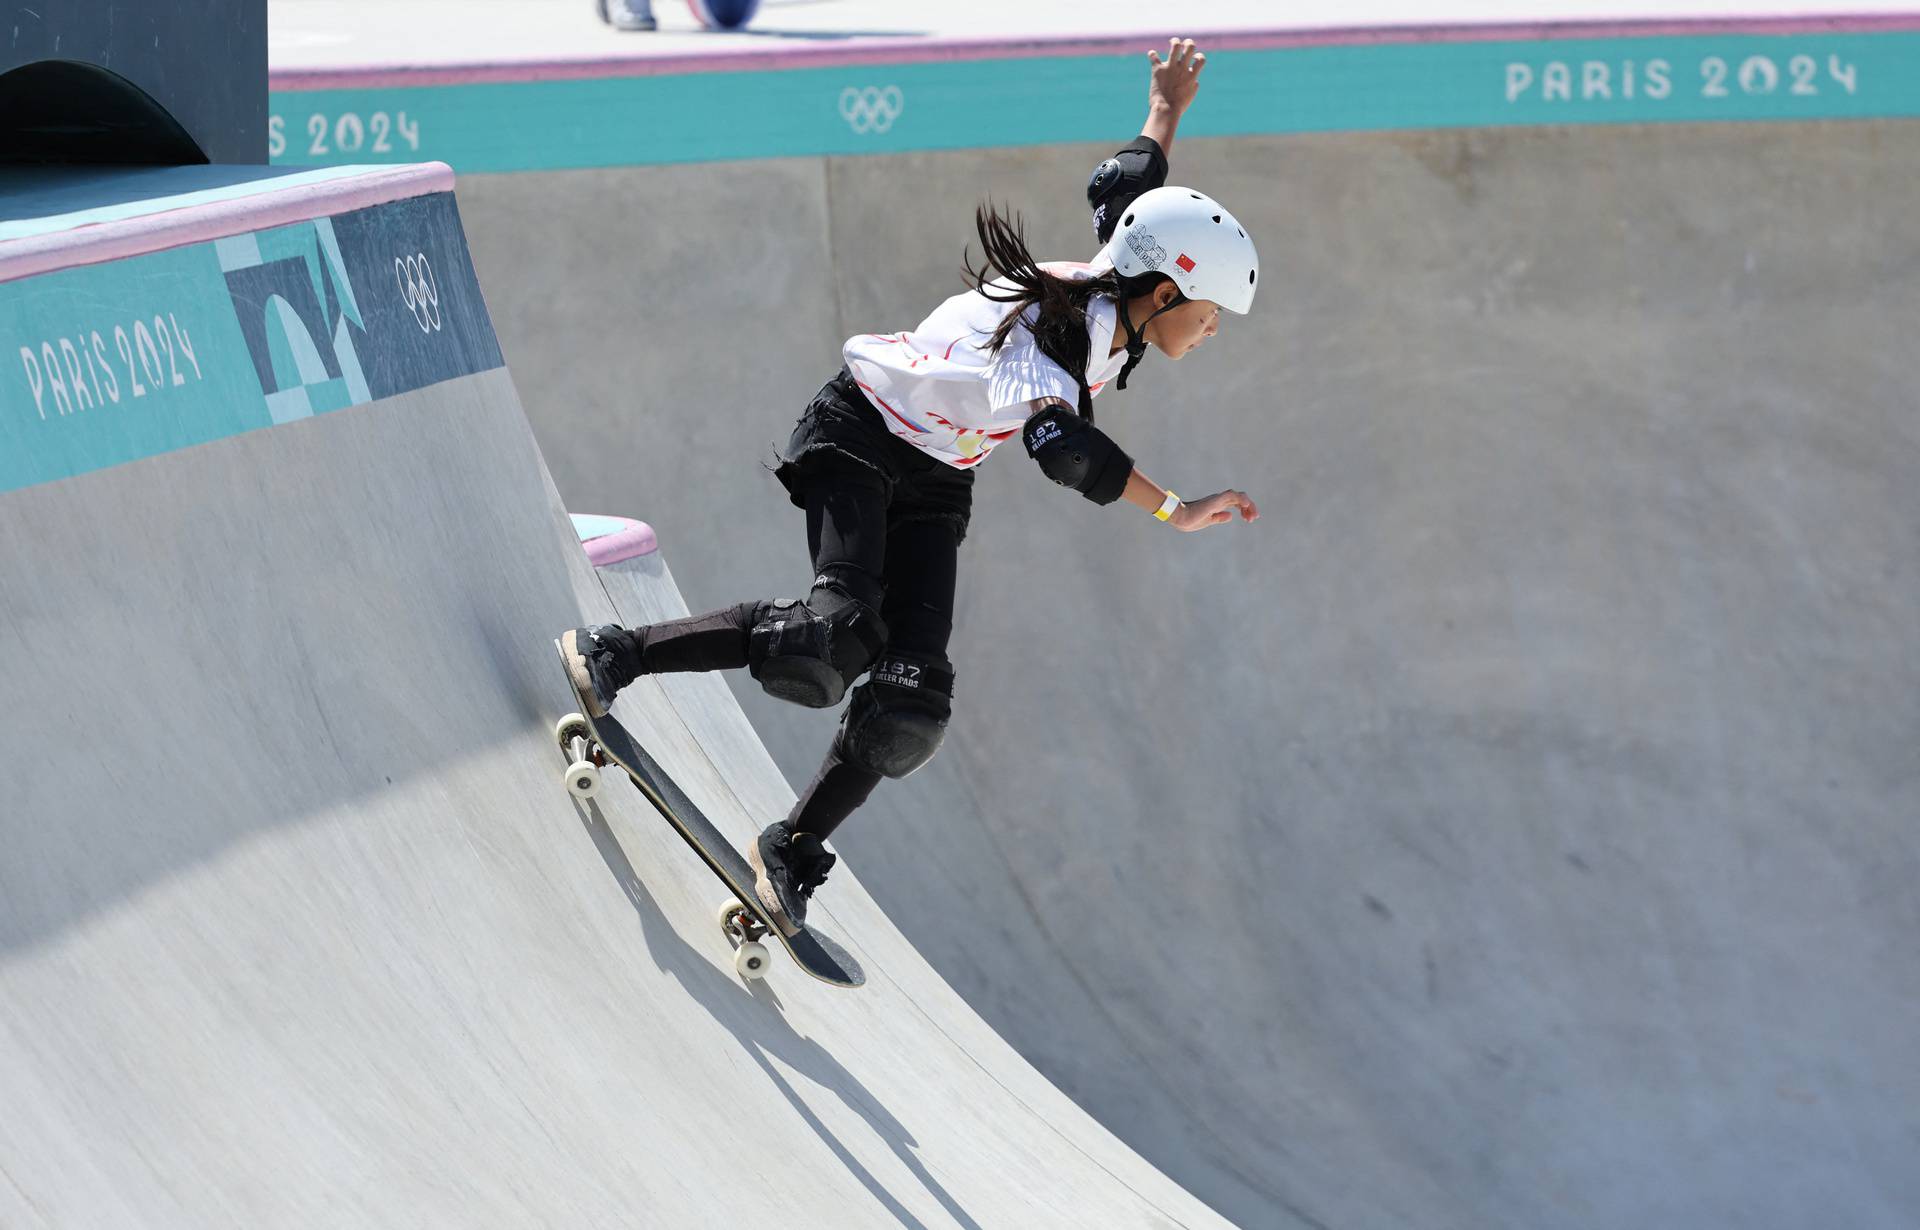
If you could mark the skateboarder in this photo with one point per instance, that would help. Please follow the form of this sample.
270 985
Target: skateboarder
882 462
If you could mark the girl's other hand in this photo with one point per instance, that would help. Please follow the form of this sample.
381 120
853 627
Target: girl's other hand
1213 510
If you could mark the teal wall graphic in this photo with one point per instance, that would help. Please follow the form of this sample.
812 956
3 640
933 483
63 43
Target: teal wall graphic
109 363
669 117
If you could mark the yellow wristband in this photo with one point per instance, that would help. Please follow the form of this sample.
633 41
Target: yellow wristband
1167 507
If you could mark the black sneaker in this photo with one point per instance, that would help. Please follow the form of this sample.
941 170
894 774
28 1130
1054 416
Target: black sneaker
787 867
600 660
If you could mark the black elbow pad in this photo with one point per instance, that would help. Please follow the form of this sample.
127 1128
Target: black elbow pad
1075 453
1139 167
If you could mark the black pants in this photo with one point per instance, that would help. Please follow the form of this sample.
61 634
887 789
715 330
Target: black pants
883 519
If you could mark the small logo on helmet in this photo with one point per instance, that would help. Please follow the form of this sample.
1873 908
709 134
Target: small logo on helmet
1185 262
1151 254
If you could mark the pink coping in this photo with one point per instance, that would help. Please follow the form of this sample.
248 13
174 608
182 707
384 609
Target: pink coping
917 51
202 221
634 539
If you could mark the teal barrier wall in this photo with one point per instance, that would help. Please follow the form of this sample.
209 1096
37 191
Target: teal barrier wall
710 116
106 364
109 363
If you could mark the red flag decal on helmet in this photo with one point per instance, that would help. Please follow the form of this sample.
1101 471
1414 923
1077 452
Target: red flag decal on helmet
1184 261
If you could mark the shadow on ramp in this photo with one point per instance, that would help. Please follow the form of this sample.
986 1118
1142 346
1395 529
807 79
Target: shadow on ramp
760 1027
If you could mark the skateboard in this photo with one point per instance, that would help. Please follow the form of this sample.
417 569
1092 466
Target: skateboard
590 744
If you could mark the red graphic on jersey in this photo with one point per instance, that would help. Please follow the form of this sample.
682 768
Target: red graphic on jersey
1184 261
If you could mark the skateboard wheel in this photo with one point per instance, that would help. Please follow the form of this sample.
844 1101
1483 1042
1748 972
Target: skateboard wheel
571 727
750 960
740 923
583 779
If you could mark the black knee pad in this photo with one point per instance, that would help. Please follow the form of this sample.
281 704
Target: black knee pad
808 652
899 715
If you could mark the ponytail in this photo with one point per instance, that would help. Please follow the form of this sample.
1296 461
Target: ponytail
1010 274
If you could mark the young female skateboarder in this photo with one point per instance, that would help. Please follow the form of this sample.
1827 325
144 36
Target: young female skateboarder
882 462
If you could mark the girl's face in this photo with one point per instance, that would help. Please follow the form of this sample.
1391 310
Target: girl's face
1179 331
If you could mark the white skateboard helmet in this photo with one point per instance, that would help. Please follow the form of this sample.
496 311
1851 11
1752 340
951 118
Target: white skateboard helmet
1187 236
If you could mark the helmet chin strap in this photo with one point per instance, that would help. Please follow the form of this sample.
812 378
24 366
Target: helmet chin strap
1137 337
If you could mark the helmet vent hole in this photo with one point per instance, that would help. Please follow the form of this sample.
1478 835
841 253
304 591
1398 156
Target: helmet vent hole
1196 196
1243 234
1127 221
1250 276
1216 218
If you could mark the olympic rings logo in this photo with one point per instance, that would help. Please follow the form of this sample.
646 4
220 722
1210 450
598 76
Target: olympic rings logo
418 289
872 108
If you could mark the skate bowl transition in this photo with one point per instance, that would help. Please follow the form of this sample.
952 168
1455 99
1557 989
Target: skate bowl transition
298 925
1516 827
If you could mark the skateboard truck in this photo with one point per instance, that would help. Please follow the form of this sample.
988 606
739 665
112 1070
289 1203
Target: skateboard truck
576 740
743 931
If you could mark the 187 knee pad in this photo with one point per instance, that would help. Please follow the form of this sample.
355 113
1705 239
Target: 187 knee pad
808 652
898 717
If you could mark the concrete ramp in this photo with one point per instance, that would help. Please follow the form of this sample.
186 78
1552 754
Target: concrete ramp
298 926
1518 821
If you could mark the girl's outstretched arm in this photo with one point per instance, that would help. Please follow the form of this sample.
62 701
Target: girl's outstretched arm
1143 492
1141 165
1171 85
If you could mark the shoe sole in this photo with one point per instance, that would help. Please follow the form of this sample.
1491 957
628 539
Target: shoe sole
582 678
763 889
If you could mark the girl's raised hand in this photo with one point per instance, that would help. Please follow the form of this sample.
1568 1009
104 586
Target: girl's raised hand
1174 81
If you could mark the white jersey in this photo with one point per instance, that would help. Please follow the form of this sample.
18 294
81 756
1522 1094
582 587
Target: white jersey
938 387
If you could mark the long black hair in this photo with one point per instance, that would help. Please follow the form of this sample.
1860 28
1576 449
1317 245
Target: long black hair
1010 274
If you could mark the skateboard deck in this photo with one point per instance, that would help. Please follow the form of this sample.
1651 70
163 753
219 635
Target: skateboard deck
591 742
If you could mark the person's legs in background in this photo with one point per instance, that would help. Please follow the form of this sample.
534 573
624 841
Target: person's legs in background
627 14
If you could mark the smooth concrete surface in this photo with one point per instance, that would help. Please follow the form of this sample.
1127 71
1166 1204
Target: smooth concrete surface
1519 825
298 926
